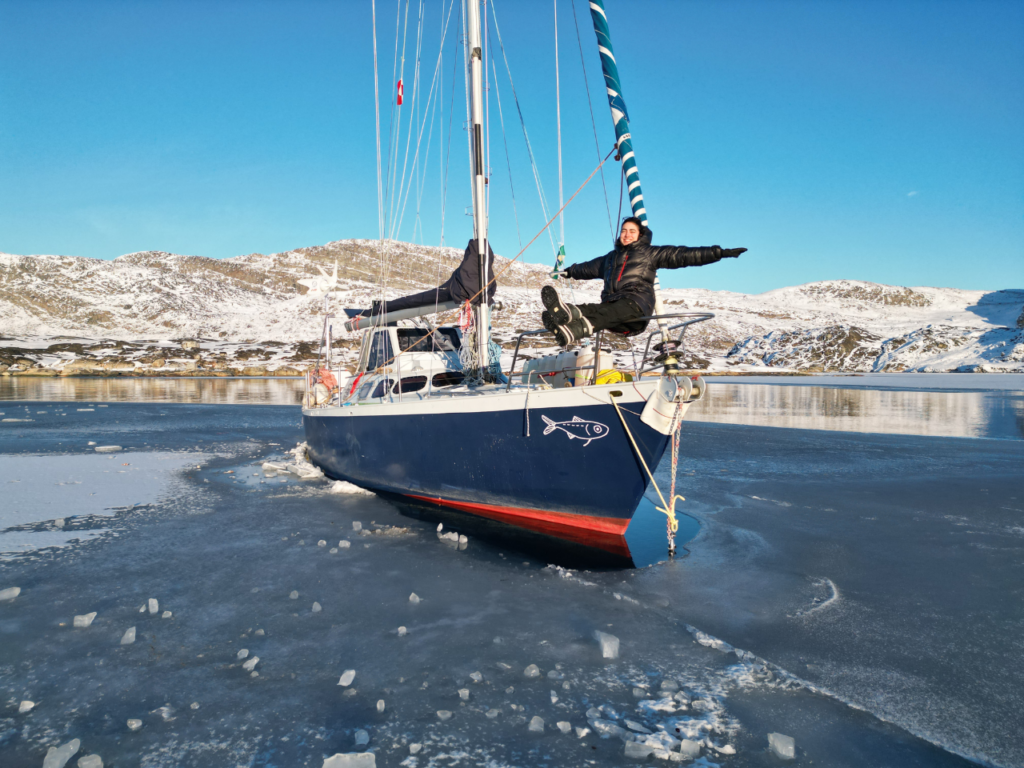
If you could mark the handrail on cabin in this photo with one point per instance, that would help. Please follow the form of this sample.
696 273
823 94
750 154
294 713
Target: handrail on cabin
692 319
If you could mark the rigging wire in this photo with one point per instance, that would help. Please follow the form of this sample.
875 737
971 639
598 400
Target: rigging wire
593 122
558 120
451 114
408 139
522 122
508 162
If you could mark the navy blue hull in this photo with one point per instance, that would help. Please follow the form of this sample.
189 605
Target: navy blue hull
559 478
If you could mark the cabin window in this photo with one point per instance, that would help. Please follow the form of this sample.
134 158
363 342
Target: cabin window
423 340
364 391
447 340
382 388
381 353
410 384
447 379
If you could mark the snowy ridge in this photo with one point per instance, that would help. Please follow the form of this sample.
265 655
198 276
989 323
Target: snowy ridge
249 315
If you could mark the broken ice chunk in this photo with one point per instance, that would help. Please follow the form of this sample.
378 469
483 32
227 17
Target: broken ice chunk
107 448
609 644
316 608
134 724
554 697
537 724
608 728
782 746
57 757
636 750
669 685
334 550
689 748
250 665
347 677
564 726
532 671
725 749
90 761
242 653
639 693
351 760
402 631
9 594
356 525
635 726
166 615
128 637
154 605
380 705
362 738
414 598
321 543
344 544
85 620
581 732
476 677
440 527
259 633
493 713
194 705
25 706
414 748
444 714
293 595
463 540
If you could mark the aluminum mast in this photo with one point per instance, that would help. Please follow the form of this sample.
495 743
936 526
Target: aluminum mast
474 60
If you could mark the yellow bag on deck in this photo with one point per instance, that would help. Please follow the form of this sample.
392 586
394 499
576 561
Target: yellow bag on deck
612 376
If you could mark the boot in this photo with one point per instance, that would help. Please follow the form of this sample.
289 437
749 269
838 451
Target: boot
578 329
562 312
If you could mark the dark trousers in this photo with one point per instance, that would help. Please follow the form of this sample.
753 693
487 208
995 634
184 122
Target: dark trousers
423 299
619 316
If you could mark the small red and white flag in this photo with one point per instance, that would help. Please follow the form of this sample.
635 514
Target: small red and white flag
401 90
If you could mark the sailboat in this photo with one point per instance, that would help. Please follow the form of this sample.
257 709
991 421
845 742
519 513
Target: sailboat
550 448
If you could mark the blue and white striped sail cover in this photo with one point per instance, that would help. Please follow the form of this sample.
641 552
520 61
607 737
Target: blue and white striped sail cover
620 117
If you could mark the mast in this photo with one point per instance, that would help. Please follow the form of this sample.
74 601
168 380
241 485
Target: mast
623 139
474 60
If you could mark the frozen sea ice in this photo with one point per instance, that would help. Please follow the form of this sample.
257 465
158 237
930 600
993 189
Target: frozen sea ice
464 694
402 631
537 724
362 738
128 637
444 714
532 671
9 594
107 448
344 544
636 750
250 665
57 757
689 748
351 760
564 726
782 746
347 677
166 615
316 608
414 598
356 525
84 620
380 705
154 605
26 706
415 748
242 653
294 595
90 761
134 724
609 644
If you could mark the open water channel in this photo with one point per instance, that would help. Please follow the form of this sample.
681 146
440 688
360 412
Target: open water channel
853 579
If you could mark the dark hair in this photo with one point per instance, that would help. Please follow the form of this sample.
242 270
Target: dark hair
634 220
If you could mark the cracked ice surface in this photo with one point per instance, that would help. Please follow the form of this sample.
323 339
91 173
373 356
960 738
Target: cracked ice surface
227 553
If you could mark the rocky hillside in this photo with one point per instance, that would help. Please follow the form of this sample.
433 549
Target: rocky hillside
164 314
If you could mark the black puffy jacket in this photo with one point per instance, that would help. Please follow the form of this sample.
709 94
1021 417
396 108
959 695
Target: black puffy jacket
628 271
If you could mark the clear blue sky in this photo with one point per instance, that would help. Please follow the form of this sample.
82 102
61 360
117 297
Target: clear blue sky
878 141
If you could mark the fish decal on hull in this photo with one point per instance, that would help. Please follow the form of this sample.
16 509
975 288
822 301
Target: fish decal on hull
577 429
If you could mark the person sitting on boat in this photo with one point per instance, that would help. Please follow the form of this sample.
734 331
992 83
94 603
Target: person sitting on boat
462 286
628 272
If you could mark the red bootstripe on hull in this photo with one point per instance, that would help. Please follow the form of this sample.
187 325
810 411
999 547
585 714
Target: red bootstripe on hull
605 533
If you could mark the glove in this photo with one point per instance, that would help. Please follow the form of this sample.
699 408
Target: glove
732 253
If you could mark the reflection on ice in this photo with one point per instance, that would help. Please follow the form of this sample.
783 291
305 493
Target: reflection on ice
940 414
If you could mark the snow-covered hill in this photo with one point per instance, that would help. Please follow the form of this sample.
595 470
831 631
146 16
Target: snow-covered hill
144 313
